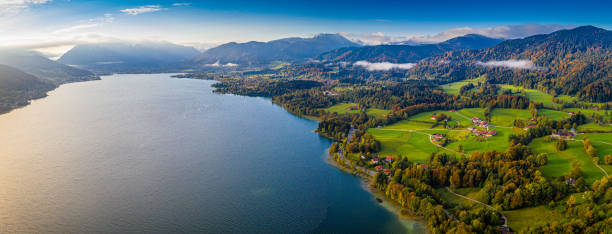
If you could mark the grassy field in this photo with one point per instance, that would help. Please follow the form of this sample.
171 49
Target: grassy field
426 117
560 162
454 199
472 112
396 138
413 145
377 112
471 143
453 88
521 219
506 117
590 127
603 143
590 112
553 114
535 95
342 108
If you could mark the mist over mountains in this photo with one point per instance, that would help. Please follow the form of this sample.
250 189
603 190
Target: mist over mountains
36 64
125 57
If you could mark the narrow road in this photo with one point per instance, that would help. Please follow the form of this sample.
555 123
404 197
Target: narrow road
493 208
350 135
431 141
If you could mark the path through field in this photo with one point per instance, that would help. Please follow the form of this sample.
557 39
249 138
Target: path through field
474 200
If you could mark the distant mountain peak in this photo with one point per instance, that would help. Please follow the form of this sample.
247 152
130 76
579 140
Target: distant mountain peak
292 49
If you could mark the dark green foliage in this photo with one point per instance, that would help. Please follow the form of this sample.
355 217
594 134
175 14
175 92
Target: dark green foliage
561 145
406 53
266 88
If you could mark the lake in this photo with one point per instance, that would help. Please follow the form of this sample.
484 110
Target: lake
153 154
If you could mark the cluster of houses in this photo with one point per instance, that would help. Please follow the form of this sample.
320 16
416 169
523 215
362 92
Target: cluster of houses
483 124
482 133
437 137
532 124
376 161
387 171
480 123
329 93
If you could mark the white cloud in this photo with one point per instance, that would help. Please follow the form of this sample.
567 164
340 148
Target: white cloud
178 4
75 28
512 63
506 32
10 7
91 23
377 38
202 46
384 66
142 9
218 64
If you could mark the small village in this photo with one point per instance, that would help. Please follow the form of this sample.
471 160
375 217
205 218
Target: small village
483 124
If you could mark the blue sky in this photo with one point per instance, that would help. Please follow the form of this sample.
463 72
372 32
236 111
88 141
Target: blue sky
204 23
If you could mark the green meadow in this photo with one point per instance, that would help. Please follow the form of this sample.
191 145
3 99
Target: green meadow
603 143
401 138
534 95
520 219
560 162
343 108
414 146
595 127
553 114
506 117
453 88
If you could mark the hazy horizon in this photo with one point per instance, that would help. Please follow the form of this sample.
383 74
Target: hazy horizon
54 26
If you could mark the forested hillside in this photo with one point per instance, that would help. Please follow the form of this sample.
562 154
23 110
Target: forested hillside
406 53
573 62
17 88
261 53
44 68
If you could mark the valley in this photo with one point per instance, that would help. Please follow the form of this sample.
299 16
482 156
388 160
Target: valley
471 134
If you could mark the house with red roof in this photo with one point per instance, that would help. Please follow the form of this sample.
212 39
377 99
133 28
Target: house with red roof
390 158
387 171
528 127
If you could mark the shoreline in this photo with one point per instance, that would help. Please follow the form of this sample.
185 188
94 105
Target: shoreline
411 222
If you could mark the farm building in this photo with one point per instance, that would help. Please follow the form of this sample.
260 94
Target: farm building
561 134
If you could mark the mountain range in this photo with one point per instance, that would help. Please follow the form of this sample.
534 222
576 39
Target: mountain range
575 62
124 57
406 53
18 87
254 53
36 64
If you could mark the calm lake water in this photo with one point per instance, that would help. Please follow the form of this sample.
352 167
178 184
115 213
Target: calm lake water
151 154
